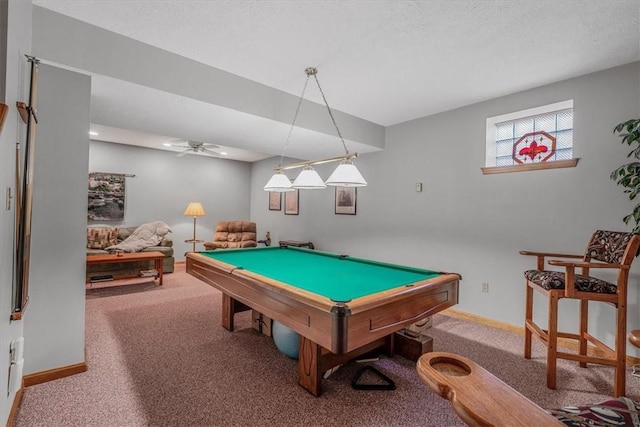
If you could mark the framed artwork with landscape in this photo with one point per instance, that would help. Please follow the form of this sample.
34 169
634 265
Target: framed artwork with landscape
106 196
291 202
275 201
345 200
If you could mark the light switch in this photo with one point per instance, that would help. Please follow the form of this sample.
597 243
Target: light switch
419 187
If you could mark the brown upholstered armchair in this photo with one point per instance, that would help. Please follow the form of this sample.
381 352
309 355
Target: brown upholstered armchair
233 234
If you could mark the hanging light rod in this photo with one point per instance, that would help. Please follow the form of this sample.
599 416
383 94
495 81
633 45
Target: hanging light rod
316 162
345 175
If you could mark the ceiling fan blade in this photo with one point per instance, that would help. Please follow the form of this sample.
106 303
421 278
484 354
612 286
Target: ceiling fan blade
210 146
182 153
177 143
210 151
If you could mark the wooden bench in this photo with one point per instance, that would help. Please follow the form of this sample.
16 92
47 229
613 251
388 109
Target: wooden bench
481 399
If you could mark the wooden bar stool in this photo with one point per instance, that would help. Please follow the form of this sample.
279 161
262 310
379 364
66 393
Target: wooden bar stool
606 250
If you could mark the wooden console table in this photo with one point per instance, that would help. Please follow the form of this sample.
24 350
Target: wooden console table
157 257
296 243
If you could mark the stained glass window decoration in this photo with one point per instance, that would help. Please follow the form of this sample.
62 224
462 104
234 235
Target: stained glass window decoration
525 138
534 147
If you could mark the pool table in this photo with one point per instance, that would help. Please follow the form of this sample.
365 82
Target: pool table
341 306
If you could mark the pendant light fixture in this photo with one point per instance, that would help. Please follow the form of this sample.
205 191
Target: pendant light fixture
279 182
345 175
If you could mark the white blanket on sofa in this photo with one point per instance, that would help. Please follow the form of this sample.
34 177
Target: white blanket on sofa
149 234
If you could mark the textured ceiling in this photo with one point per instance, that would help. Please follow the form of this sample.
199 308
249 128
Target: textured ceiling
383 61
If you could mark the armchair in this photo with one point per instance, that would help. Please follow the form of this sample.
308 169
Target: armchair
233 234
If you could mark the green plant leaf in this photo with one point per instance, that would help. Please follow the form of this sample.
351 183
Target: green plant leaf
628 175
633 126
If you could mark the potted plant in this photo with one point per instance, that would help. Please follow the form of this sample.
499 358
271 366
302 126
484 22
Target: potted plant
628 175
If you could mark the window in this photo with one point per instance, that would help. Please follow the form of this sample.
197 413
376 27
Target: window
538 138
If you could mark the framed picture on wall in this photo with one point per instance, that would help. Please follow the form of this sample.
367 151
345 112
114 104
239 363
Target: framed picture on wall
345 200
275 201
106 196
291 202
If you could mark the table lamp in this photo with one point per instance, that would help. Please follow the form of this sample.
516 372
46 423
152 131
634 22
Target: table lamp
194 209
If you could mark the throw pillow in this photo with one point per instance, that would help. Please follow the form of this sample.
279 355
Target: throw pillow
618 412
101 237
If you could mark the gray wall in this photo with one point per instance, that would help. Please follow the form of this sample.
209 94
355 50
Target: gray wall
54 319
15 42
165 184
473 224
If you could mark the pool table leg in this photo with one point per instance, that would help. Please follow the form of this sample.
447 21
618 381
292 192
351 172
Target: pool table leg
313 360
309 375
230 307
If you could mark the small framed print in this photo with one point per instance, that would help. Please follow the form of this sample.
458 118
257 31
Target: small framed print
345 200
275 201
291 203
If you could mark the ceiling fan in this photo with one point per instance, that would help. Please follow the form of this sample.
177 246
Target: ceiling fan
193 147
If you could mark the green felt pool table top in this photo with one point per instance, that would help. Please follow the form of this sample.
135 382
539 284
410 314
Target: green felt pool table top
333 276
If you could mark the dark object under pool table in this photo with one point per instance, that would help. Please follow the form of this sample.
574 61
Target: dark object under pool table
341 306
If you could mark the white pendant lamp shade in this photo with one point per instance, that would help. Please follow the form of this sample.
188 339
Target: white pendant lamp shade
346 175
309 180
279 183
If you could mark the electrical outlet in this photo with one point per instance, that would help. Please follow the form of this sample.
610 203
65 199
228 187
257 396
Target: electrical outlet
485 286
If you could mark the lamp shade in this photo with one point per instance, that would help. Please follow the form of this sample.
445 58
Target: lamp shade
309 180
279 183
346 175
195 209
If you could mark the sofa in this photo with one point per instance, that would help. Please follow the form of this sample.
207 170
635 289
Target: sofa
99 238
233 234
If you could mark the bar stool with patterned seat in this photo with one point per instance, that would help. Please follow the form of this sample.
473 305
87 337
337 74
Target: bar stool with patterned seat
606 250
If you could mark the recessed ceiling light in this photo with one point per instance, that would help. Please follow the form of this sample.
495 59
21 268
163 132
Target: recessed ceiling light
166 144
223 153
93 133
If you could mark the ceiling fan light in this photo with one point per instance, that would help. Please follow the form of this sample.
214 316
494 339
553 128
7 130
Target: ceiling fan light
346 175
309 180
279 183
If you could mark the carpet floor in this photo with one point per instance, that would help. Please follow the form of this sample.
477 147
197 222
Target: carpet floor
157 356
